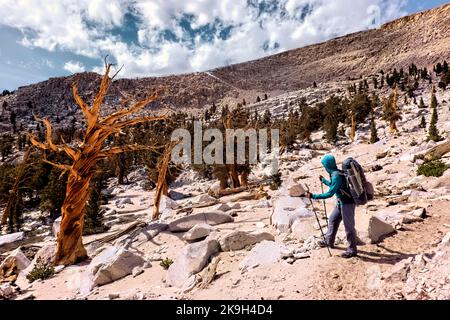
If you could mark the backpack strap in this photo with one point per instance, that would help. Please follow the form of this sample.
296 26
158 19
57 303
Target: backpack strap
342 186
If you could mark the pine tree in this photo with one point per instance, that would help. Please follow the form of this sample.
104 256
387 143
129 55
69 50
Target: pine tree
267 118
423 123
421 103
276 180
53 194
12 119
331 121
438 68
433 133
373 131
258 99
6 145
390 112
213 108
93 217
433 103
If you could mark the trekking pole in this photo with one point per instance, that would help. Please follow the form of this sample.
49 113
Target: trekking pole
318 222
320 227
324 206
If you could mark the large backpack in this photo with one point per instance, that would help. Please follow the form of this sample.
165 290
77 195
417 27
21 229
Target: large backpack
360 189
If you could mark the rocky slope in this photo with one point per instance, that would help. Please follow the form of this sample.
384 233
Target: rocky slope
421 39
254 244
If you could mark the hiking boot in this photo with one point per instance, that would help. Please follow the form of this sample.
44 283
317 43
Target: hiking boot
323 244
348 254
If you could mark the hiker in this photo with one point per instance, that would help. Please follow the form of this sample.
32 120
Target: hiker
344 210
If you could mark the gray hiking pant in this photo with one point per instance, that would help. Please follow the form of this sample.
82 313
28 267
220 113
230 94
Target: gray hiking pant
343 212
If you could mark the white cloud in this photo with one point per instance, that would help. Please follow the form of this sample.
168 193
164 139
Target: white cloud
74 66
84 27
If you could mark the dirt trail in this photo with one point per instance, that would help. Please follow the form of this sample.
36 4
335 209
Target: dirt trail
358 278
321 277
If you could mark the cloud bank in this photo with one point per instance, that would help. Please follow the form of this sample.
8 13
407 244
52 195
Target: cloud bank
160 37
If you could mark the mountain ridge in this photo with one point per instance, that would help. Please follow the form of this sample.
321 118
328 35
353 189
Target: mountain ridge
395 44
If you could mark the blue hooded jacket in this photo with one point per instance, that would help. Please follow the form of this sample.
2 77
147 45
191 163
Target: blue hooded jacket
337 182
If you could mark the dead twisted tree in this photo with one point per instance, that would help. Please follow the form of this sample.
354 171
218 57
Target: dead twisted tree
161 185
84 155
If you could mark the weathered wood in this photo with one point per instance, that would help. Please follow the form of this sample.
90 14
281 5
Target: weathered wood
209 273
161 185
436 152
138 225
70 248
226 192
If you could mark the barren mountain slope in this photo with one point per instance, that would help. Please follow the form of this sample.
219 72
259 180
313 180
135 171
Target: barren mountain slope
422 38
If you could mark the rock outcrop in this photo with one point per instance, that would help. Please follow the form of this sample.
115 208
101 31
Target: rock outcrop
191 260
237 240
187 222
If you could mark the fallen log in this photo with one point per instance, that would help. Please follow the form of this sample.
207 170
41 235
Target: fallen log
435 153
111 237
226 192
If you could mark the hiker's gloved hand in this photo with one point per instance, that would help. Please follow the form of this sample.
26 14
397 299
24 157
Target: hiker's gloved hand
307 195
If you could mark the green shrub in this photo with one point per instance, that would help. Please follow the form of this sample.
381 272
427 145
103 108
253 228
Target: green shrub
276 181
432 169
41 270
166 263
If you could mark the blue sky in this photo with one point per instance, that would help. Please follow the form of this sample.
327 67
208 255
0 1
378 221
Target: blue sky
46 38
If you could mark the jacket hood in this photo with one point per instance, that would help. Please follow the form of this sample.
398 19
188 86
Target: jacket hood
329 163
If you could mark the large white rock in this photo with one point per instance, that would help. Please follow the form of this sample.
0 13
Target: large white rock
6 291
191 260
198 231
167 203
371 229
17 258
302 229
295 189
56 226
402 215
10 241
286 210
46 254
237 240
221 207
203 200
187 222
441 182
110 265
264 253
263 203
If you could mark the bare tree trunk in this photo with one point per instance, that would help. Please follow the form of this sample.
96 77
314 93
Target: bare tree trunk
353 132
84 157
161 185
223 183
393 126
234 176
244 179
120 169
70 246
